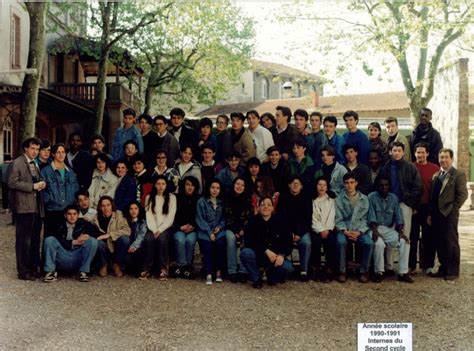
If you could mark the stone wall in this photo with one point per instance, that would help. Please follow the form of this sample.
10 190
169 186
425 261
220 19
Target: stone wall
450 106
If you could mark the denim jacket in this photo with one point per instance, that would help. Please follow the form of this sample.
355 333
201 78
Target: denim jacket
352 219
208 218
123 135
384 212
336 183
59 192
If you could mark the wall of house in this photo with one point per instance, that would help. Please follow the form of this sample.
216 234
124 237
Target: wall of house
8 8
450 106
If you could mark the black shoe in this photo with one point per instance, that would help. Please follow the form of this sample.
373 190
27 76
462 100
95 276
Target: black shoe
405 278
389 273
378 277
242 277
178 272
258 284
438 274
324 277
188 272
233 278
83 277
304 277
26 276
451 277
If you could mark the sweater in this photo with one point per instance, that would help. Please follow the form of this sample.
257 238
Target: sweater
158 221
361 142
324 213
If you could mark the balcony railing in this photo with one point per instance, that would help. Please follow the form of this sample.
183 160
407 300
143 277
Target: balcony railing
86 93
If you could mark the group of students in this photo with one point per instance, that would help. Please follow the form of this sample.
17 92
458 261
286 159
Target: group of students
263 191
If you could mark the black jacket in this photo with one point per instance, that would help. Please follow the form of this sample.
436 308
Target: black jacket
430 136
83 166
81 227
188 137
273 234
285 139
279 175
186 210
297 211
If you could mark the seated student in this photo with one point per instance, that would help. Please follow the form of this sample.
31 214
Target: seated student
209 167
332 170
185 235
83 203
253 171
386 221
171 174
277 169
322 225
142 177
267 243
205 132
135 215
104 182
210 222
231 171
187 166
160 212
361 171
237 211
302 165
114 236
71 248
264 188
376 142
351 223
297 214
126 190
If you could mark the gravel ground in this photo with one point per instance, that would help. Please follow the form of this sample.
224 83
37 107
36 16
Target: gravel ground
113 313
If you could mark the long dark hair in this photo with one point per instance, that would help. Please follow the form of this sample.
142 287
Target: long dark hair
141 211
207 189
152 198
245 193
102 199
193 181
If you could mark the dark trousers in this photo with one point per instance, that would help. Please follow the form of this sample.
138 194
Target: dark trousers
103 255
134 261
424 248
445 230
156 251
211 249
329 246
52 221
27 245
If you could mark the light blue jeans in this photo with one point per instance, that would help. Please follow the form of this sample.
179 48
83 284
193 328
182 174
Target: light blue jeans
78 259
232 254
184 245
304 249
389 238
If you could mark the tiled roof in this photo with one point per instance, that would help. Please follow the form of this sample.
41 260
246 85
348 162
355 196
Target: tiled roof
276 68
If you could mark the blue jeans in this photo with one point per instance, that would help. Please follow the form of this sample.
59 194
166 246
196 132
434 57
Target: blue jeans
304 249
232 254
364 242
184 245
120 250
77 259
248 257
209 248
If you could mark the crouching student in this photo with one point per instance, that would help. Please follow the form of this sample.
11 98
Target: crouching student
114 238
323 223
185 236
71 248
386 222
351 222
135 215
160 212
211 230
268 241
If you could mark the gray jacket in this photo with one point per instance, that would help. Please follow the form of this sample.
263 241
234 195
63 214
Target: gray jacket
23 198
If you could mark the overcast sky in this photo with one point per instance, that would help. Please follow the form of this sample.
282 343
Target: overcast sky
285 43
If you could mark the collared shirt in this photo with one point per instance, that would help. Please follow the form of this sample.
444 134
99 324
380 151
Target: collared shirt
384 211
71 157
281 130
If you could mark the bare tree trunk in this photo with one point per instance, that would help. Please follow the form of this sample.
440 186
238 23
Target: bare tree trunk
149 93
30 87
101 91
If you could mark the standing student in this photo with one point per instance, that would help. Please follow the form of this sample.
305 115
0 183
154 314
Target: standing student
188 166
205 132
61 187
185 235
241 139
26 185
448 193
425 132
223 142
285 134
210 222
126 190
391 126
166 141
150 138
80 161
268 121
160 212
126 133
316 139
185 135
332 170
262 137
356 137
335 140
44 156
374 131
323 233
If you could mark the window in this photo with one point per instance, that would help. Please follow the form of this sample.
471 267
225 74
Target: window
15 42
7 138
264 88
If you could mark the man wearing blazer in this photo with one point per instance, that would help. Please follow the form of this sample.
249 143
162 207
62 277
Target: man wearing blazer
448 193
25 184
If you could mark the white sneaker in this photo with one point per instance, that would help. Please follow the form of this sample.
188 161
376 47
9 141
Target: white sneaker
209 279
218 279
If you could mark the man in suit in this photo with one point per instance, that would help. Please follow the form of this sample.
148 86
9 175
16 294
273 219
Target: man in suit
448 193
80 161
25 184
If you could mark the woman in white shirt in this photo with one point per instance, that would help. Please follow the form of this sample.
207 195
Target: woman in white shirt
160 208
104 181
323 223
